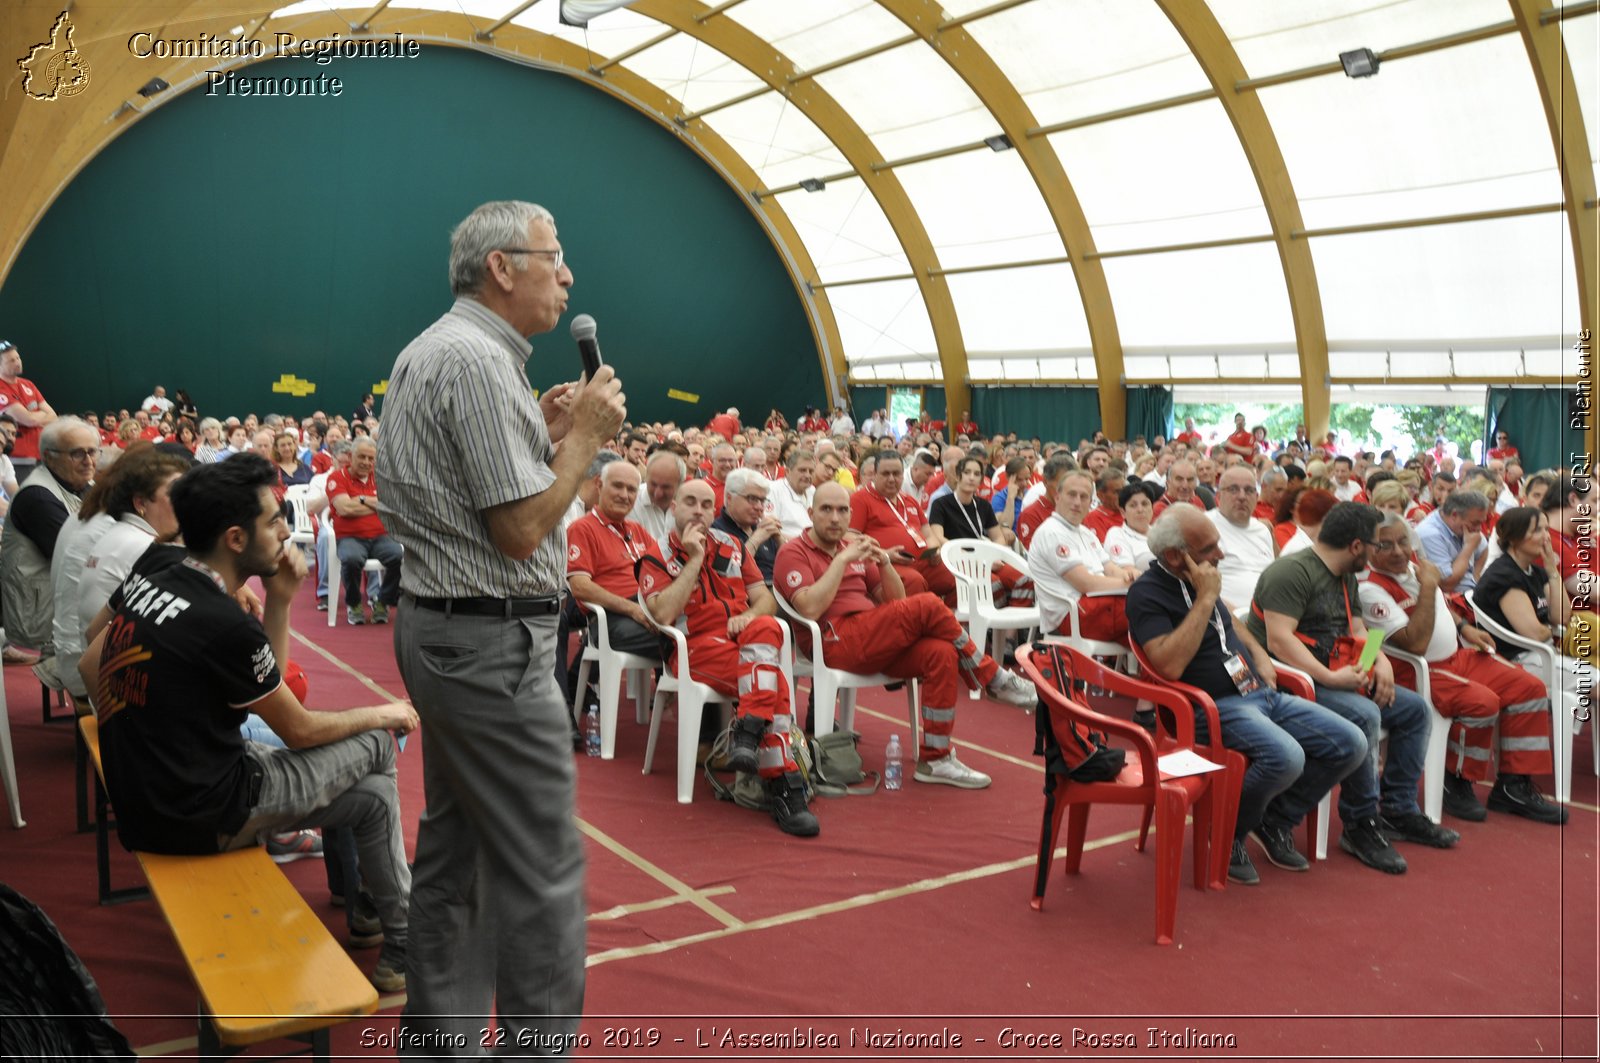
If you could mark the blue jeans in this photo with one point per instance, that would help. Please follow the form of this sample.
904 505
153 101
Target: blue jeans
354 553
324 536
1297 751
1407 721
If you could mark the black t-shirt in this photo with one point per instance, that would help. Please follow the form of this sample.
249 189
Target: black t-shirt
1505 575
39 515
180 665
971 521
1156 606
766 554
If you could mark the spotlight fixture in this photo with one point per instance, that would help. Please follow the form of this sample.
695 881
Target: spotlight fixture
813 184
999 142
1361 63
153 86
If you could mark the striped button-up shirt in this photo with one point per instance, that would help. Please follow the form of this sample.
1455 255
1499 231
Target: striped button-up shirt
462 432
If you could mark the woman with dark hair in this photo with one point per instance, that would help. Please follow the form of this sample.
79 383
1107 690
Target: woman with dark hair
183 405
1522 590
776 422
1310 506
286 459
187 434
961 513
1007 501
1128 542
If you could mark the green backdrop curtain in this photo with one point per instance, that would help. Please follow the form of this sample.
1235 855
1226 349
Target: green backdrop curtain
1149 413
1539 422
1062 414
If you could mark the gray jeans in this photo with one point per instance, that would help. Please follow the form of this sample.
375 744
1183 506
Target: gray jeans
497 915
349 783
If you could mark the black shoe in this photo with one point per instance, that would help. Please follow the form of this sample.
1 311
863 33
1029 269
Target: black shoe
1240 869
1517 794
1145 718
747 732
788 793
1415 827
1278 844
1461 802
1364 841
366 929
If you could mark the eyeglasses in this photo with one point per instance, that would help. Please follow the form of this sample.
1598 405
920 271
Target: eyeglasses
1239 489
558 255
750 497
80 454
1384 546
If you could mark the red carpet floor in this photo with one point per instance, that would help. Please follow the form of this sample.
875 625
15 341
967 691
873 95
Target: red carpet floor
712 934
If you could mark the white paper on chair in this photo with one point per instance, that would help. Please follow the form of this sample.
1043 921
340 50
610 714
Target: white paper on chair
1184 762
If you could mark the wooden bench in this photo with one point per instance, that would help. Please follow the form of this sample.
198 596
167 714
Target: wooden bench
264 964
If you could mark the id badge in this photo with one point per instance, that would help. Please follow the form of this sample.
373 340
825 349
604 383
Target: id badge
1242 676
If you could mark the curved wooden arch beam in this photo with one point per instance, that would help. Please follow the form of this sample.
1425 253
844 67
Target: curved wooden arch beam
1214 52
1553 72
773 67
85 134
983 76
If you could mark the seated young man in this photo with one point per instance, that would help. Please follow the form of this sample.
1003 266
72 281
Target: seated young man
176 667
1068 563
710 580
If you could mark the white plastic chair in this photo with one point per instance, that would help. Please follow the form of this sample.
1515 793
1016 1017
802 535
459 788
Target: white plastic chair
971 561
831 685
8 767
612 663
1438 735
693 698
301 533
1089 647
335 570
1545 661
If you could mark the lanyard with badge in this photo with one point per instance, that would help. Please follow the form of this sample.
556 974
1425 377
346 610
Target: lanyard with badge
635 553
1233 663
900 516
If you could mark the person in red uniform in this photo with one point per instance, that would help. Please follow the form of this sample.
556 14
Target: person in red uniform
871 625
603 548
1108 514
1469 684
22 402
724 459
1190 435
897 523
360 534
1242 442
967 426
1181 480
711 582
1502 448
725 424
813 421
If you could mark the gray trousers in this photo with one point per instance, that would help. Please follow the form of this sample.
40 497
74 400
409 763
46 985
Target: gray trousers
497 912
349 783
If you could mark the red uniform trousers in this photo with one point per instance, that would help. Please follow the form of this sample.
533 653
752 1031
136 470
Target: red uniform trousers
1103 619
1011 586
1472 689
747 667
928 574
915 638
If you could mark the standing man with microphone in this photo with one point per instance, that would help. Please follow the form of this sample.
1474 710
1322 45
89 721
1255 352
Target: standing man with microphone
477 474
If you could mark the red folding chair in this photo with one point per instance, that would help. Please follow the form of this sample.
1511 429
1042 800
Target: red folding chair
1059 672
1290 681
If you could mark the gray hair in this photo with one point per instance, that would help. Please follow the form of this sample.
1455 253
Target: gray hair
741 479
1273 475
683 470
58 429
1395 520
340 447
503 223
1167 533
1457 503
601 460
208 423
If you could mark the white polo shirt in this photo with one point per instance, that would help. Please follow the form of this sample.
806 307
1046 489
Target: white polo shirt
1247 551
794 510
1058 548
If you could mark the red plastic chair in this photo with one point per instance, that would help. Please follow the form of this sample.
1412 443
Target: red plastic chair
1290 681
1168 801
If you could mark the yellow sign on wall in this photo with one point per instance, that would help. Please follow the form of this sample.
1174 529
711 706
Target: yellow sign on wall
682 396
289 384
381 387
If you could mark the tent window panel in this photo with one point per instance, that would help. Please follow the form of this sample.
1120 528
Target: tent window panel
1492 279
1552 361
781 144
1078 368
1168 177
1357 363
697 74
1271 38
1488 363
1020 309
1581 36
1284 366
1430 364
609 34
1224 295
1249 366
1009 224
1443 133
986 368
845 232
1145 367
1100 56
815 32
881 319
909 100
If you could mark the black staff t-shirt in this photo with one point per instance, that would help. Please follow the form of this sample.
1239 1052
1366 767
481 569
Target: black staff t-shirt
180 667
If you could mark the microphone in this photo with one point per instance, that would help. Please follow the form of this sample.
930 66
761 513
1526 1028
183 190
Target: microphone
583 330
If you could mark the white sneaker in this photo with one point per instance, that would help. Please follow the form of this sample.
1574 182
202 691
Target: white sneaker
951 772
1010 687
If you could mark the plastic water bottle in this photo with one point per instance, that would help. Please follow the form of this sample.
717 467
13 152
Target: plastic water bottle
591 731
892 766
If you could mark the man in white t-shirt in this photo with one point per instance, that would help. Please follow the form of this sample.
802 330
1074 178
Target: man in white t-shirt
1247 543
663 473
1346 488
157 402
792 493
1068 562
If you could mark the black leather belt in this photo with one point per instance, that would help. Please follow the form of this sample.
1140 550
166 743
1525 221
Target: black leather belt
506 607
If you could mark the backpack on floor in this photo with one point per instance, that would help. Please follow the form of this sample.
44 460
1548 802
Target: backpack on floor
749 789
837 770
1084 755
